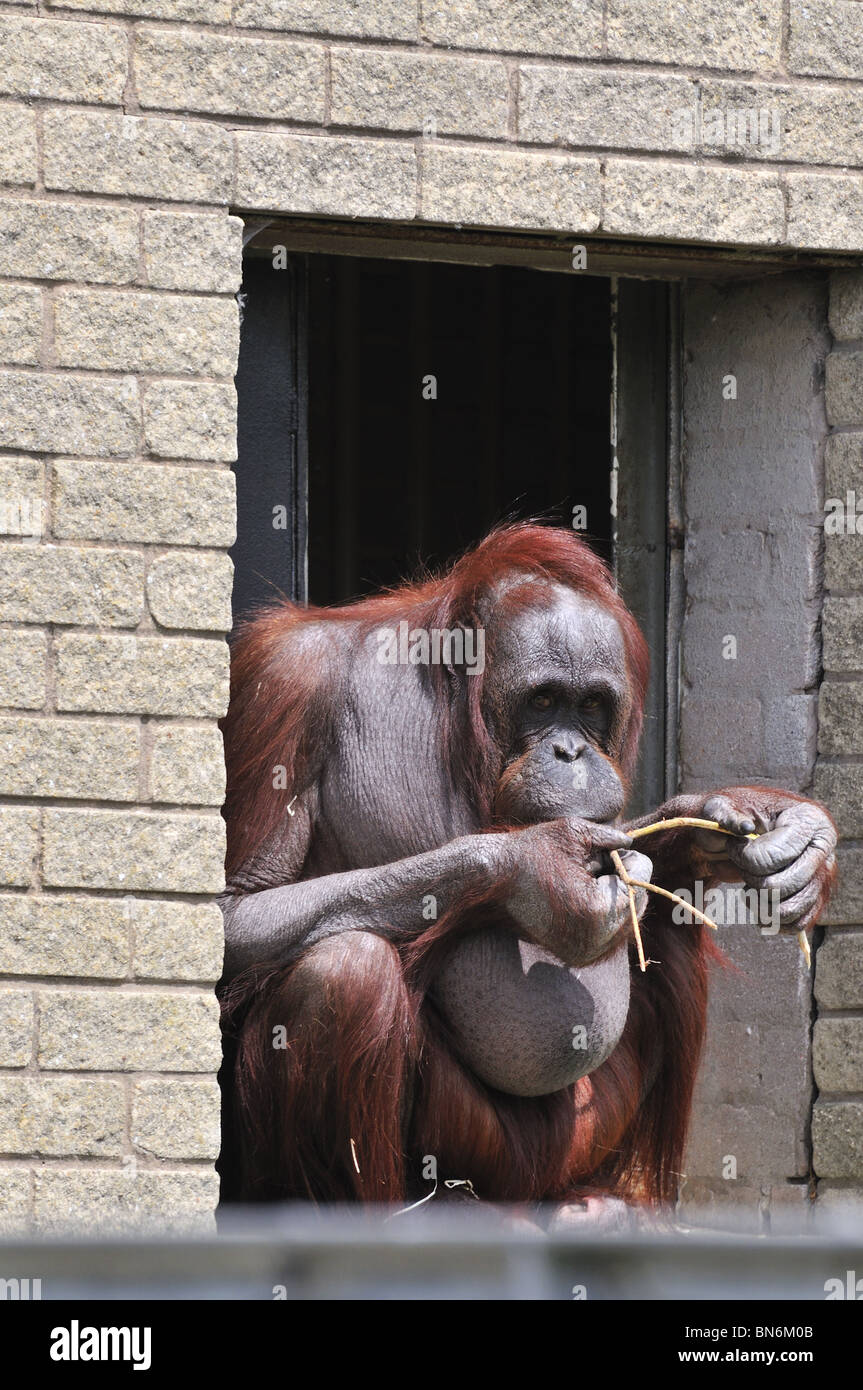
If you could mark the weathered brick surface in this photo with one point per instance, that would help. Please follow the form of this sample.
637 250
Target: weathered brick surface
386 19
193 420
701 33
840 786
825 210
306 173
68 757
192 251
176 1119
846 304
826 39
64 935
65 584
176 940
19 844
837 1138
142 675
204 11
837 1054
840 712
67 241
394 90
187 766
158 853
93 1200
18 152
238 76
62 60
20 324
654 199
191 591
525 26
94 152
172 334
100 1030
16 1027
482 187
56 1117
126 501
73 415
23 657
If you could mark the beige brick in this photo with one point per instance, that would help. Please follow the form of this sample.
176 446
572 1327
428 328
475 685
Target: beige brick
191 591
144 502
18 153
807 123
20 324
58 1116
843 388
16 1027
843 564
840 708
393 90
843 632
604 108
19 844
193 420
193 251
70 415
744 37
62 61
846 304
23 658
64 935
573 29
177 940
129 332
845 907
307 173
15 1184
140 156
68 241
837 1054
120 849
826 39
661 199
825 211
142 675
93 1200
839 971
62 584
484 187
386 19
238 76
187 766
840 786
837 1139
106 1030
22 497
176 1119
206 11
69 757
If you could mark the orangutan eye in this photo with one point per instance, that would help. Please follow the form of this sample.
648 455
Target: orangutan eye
592 702
541 700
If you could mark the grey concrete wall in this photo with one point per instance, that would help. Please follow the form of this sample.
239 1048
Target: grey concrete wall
752 493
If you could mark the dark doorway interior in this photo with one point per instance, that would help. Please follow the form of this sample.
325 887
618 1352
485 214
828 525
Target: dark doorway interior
443 398
376 468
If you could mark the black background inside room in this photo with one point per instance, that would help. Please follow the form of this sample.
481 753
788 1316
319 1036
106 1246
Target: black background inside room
376 467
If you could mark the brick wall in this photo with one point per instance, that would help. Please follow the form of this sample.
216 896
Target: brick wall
129 132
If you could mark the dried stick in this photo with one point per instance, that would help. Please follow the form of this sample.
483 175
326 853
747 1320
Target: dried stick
696 823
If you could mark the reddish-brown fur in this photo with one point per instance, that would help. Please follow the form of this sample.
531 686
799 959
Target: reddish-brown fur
368 1057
